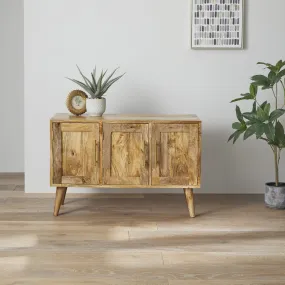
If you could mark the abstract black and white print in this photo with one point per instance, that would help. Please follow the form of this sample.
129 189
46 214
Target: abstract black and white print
217 23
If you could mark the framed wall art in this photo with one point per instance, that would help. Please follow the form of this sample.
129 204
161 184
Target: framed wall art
217 24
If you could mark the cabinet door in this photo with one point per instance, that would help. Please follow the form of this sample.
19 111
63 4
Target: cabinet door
75 149
125 154
176 154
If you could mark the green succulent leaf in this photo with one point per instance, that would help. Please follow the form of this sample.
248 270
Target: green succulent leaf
94 88
82 85
86 80
110 83
110 76
94 81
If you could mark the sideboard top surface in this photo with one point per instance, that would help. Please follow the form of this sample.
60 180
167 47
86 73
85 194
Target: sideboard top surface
65 117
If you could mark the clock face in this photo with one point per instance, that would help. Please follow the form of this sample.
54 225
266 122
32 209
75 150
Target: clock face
77 102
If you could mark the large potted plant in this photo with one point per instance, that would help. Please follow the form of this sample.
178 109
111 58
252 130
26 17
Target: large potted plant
264 122
96 89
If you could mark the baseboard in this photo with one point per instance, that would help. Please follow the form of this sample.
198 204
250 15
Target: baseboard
11 174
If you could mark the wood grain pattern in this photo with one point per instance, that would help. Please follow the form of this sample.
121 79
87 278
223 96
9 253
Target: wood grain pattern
146 240
75 148
56 153
189 195
124 154
63 197
60 192
176 159
126 158
127 118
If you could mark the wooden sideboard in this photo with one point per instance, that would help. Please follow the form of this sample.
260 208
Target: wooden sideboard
125 151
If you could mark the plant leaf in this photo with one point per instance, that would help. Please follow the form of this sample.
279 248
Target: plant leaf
280 75
87 81
276 114
269 131
280 64
237 135
253 90
239 114
261 115
259 130
259 77
110 83
266 110
249 132
99 84
82 85
269 66
279 133
254 107
109 77
245 97
236 125
250 116
94 82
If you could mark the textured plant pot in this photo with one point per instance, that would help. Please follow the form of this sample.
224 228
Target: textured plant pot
95 107
275 195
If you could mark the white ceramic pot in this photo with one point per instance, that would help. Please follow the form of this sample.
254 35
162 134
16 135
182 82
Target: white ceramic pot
95 107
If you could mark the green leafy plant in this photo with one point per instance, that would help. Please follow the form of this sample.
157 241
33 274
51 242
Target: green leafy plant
264 120
97 88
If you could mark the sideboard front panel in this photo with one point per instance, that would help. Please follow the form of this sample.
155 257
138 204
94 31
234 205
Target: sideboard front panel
125 154
175 154
76 153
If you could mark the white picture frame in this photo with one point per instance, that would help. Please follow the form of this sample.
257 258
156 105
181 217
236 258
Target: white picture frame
217 24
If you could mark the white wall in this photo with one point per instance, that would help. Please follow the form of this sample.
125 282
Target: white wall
150 41
12 86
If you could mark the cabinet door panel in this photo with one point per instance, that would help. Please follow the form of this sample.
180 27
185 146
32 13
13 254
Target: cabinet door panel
78 147
175 154
125 152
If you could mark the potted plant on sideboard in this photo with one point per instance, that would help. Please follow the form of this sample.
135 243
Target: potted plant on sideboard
264 122
96 89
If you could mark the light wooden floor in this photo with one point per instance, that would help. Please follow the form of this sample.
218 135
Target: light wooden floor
136 239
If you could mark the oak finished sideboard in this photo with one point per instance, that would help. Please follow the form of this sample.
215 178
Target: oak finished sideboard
125 151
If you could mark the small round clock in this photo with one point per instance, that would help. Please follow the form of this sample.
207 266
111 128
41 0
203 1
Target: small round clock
76 102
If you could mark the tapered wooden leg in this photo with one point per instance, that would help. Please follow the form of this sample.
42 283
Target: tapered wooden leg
190 201
60 191
63 197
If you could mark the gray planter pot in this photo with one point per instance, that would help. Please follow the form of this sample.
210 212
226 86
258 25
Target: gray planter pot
275 195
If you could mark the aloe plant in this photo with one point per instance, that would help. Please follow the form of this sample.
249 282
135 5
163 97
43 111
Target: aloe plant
96 88
264 121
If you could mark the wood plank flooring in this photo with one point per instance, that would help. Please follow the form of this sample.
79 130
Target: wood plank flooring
139 239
